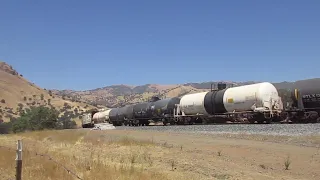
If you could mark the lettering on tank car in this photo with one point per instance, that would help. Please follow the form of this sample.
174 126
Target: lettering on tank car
311 97
140 112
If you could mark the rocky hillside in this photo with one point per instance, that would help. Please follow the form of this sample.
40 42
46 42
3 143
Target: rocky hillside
17 94
118 95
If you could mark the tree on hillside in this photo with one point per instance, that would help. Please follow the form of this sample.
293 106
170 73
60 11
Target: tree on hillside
36 118
5 127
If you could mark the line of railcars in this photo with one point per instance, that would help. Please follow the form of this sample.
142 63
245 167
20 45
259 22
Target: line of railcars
252 103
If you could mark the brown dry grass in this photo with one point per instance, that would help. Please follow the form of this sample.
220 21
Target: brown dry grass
88 155
130 154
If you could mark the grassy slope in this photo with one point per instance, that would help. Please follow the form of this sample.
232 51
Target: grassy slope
14 88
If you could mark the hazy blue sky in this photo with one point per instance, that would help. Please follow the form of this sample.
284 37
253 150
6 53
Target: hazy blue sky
75 44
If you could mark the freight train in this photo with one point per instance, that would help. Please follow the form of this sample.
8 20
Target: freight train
252 103
306 103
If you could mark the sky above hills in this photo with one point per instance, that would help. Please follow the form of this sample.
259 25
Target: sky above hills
88 44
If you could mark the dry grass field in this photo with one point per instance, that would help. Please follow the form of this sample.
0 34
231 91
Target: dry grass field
131 154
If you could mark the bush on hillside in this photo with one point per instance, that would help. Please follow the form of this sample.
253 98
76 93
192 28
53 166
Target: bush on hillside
3 101
50 93
36 118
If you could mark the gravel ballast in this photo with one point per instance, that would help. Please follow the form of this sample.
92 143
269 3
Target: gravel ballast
261 129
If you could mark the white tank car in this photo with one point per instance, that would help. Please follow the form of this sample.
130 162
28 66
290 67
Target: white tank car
101 116
193 104
257 97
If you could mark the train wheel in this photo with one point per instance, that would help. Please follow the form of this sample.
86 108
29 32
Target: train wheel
165 122
268 121
251 121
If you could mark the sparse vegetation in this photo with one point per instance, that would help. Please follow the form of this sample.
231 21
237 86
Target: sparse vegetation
133 158
42 97
287 163
263 166
20 108
3 101
219 152
50 93
9 110
221 176
173 164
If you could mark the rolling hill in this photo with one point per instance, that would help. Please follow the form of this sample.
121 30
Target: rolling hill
119 95
17 93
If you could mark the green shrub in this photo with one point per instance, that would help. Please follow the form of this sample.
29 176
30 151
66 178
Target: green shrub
36 118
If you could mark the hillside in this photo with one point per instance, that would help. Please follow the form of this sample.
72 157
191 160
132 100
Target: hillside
118 95
17 93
